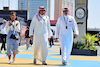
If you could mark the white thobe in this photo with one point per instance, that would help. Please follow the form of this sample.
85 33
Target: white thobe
40 38
66 35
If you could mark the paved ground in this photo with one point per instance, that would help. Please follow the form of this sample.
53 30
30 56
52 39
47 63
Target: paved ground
25 59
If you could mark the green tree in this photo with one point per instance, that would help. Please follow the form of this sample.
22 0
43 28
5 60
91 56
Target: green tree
90 39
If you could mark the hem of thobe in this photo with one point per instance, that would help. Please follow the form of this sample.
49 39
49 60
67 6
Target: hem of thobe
39 59
65 61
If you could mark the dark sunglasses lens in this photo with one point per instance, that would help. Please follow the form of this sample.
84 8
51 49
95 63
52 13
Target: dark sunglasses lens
42 10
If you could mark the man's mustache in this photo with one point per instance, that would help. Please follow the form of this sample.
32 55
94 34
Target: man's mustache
43 13
66 13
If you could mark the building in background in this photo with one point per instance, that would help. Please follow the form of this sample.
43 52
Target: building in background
54 7
8 4
60 4
31 6
58 9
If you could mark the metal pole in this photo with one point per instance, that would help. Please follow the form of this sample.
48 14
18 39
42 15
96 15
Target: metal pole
86 14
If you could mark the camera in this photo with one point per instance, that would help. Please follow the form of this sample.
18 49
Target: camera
15 37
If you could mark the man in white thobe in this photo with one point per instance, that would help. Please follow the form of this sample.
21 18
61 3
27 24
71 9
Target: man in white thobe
65 26
41 26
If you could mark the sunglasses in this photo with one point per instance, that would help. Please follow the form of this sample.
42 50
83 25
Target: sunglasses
65 9
42 10
4 22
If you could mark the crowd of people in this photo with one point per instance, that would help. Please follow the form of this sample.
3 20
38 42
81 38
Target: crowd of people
40 32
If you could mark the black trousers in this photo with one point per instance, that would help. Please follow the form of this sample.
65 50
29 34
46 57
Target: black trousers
3 39
51 41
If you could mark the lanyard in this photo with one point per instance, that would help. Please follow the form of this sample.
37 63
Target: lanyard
66 21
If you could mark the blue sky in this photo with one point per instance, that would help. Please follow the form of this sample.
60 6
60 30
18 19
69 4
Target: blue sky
93 13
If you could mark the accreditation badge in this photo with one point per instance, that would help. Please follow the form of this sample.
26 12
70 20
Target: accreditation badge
66 27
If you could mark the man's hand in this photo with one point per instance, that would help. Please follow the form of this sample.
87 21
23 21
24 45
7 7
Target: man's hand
31 37
48 39
10 24
76 35
56 39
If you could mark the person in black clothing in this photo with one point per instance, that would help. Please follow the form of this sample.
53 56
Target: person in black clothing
27 37
51 39
3 35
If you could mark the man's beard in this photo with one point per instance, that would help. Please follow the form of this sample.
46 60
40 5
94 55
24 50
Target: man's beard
42 13
66 14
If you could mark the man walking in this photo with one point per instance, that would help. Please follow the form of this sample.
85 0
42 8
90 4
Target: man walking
64 30
41 26
27 38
